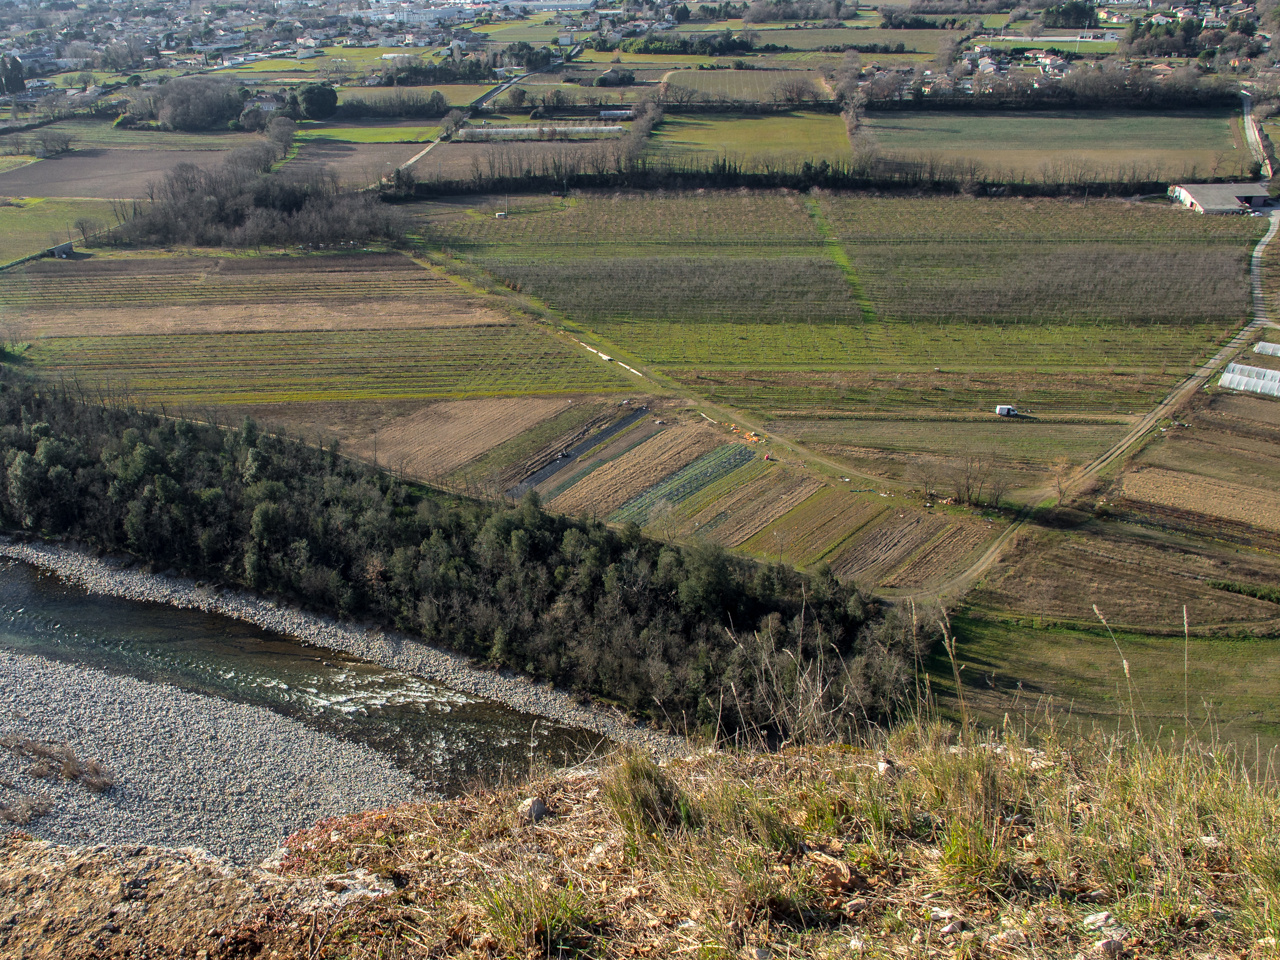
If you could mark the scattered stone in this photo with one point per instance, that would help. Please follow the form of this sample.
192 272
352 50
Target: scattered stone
937 914
1109 947
119 578
1094 896
1096 921
533 809
953 928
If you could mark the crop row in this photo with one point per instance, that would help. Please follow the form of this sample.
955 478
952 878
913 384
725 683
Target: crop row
684 483
1057 281
68 291
272 367
804 288
634 218
934 219
803 392
905 346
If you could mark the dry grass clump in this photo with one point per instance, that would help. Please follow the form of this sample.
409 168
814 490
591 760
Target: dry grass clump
928 841
23 810
60 760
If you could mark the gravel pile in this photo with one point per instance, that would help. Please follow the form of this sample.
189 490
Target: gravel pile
397 651
190 771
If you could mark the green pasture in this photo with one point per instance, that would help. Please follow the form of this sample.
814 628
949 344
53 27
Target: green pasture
918 41
1016 442
1086 48
369 132
14 161
747 85
214 369
1178 145
30 225
1078 676
457 94
100 134
753 139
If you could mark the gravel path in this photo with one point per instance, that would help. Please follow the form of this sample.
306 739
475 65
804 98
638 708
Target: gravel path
190 770
393 650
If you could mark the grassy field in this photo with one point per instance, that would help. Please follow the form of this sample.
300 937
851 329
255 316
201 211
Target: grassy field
458 95
754 141
28 226
370 131
1079 676
1187 145
746 85
271 330
100 134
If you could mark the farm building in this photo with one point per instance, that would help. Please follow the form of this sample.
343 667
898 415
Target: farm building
1220 197
62 251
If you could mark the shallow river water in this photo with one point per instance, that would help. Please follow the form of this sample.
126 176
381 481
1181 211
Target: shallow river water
446 738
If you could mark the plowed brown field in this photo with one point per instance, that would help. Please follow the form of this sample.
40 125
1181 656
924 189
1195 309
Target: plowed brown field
604 490
165 295
1134 576
945 553
1213 498
875 554
442 437
815 527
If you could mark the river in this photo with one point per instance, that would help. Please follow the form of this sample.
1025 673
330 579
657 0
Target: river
445 738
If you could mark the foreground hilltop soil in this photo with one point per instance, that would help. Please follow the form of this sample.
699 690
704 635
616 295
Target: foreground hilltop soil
925 846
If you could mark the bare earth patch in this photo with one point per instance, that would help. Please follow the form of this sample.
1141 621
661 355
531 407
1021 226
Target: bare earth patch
441 437
97 173
1212 498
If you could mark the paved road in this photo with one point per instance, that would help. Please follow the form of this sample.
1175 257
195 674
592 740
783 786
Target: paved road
962 582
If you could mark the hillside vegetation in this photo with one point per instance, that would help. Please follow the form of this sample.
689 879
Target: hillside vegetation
685 635
930 841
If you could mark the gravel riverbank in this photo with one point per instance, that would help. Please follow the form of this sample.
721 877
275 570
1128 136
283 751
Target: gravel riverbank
112 577
190 770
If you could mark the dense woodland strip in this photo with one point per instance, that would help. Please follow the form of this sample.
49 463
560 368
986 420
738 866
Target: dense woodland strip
687 635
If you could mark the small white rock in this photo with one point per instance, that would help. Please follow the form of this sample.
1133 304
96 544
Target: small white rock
938 915
1096 921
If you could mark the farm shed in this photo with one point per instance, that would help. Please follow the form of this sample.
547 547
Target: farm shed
1220 198
62 251
1267 349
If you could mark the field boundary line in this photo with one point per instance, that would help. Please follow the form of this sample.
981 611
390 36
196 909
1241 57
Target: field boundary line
836 251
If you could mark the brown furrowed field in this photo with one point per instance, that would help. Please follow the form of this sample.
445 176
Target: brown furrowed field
97 173
602 491
951 550
624 442
441 437
113 294
1136 576
1213 498
899 533
355 164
